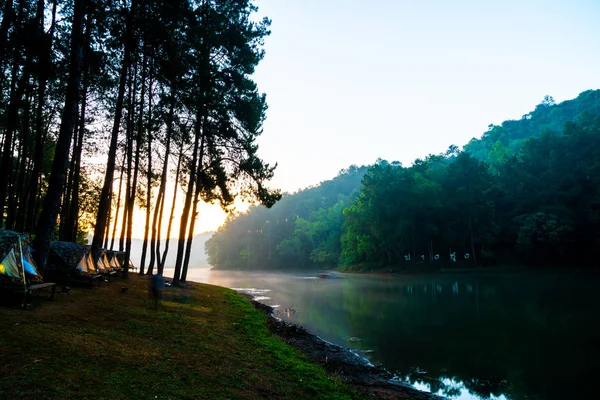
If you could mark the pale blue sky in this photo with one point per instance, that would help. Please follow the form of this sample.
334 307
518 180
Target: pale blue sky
350 81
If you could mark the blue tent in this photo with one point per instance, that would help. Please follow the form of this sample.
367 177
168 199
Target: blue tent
16 263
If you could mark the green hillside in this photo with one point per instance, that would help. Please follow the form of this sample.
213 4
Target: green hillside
527 192
547 116
299 230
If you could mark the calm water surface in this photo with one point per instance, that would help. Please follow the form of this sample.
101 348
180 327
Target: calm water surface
469 336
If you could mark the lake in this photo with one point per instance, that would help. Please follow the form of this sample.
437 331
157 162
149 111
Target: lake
464 336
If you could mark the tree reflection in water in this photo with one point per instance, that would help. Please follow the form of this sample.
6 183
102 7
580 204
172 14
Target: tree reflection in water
520 335
450 388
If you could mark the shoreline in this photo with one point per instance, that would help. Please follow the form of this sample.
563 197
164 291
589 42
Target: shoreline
426 271
347 366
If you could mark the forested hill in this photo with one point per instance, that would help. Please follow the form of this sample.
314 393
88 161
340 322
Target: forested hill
547 116
300 228
527 192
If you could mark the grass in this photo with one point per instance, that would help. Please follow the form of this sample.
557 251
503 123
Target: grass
202 342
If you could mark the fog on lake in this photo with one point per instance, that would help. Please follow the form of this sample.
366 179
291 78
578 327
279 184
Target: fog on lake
464 336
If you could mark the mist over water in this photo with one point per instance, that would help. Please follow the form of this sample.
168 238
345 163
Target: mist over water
467 336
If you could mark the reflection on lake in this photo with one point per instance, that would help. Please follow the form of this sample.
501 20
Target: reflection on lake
468 336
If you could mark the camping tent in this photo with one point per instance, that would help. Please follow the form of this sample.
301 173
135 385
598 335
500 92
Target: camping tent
120 258
103 263
16 263
68 259
117 259
115 263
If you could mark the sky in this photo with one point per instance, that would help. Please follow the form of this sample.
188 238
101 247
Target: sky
348 82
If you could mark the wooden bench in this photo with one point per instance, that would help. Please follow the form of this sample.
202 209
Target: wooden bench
31 288
105 276
95 278
39 286
111 274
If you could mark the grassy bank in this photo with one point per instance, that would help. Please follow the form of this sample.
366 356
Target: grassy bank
203 342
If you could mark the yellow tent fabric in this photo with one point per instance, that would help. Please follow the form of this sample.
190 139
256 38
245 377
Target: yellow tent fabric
103 264
10 267
86 265
106 262
90 262
114 263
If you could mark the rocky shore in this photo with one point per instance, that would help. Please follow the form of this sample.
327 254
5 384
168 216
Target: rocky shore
348 367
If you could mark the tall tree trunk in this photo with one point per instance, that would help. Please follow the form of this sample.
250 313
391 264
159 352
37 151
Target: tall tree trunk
66 203
108 219
140 135
70 209
188 200
128 189
203 74
15 183
73 214
190 238
6 164
22 177
112 152
51 204
114 232
157 208
149 172
39 126
149 184
160 202
10 210
163 259
6 161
